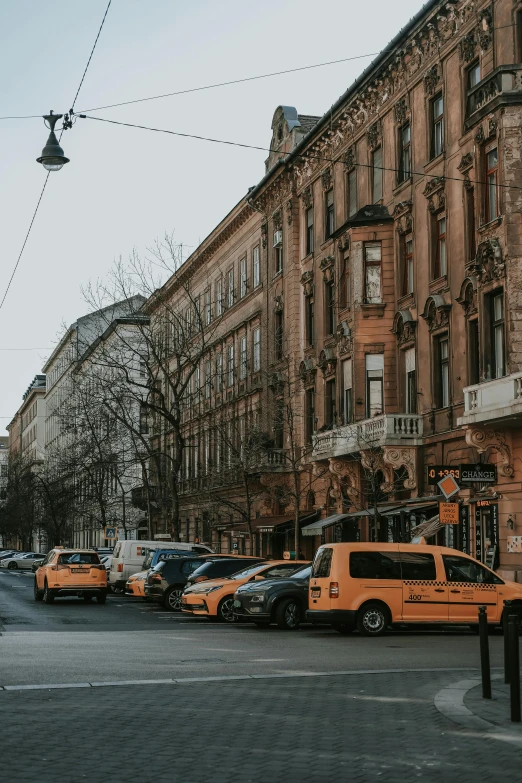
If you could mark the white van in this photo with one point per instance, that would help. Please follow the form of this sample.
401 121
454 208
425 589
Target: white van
128 557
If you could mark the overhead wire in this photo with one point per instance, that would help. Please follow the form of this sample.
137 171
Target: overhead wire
48 173
272 149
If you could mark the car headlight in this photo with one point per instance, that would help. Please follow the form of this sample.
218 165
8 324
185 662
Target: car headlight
258 598
207 590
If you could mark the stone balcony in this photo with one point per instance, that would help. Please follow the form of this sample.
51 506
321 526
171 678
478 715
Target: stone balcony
501 87
497 400
390 429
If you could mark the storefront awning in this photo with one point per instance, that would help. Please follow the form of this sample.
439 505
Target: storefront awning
317 527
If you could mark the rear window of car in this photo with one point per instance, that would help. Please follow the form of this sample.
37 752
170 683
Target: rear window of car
85 558
375 565
322 563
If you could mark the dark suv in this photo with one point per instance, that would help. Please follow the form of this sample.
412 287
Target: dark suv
166 581
218 569
282 601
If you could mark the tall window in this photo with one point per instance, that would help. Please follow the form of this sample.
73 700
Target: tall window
278 322
329 214
208 379
329 293
144 420
230 287
437 125
242 278
491 184
256 267
256 349
473 73
219 297
347 392
440 266
309 316
279 423
219 372
410 381
309 415
374 384
404 152
407 272
473 352
243 358
352 192
442 388
518 33
377 175
470 223
208 309
344 293
372 273
230 365
309 230
278 252
197 383
495 361
330 403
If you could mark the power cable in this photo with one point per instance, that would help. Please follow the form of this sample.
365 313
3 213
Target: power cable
48 173
271 149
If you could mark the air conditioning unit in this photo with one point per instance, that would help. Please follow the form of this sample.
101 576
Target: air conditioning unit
278 238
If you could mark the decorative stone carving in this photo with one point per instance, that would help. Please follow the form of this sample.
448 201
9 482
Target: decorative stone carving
433 185
373 135
344 242
405 457
466 162
345 474
485 30
327 362
307 372
326 178
467 47
264 234
372 460
401 110
289 211
434 192
479 135
488 264
436 312
306 195
432 79
344 338
482 439
405 328
349 158
278 304
327 267
403 217
278 220
492 127
307 281
468 296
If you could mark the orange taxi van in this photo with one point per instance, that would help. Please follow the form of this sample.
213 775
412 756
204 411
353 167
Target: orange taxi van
71 572
369 586
215 597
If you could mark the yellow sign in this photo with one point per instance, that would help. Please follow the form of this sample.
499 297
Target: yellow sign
448 486
449 513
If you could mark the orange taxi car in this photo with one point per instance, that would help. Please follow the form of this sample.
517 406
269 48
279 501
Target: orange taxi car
135 585
71 572
215 597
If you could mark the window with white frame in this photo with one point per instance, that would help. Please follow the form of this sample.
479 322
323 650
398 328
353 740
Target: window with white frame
373 273
374 384
208 379
208 308
257 349
243 357
230 364
219 297
242 278
256 267
219 372
230 287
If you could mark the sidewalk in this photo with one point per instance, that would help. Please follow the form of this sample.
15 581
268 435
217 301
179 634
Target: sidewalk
356 727
496 710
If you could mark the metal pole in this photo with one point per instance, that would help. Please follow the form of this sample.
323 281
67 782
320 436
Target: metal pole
484 652
514 678
505 618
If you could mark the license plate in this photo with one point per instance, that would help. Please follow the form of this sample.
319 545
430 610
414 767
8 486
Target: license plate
316 593
237 604
78 570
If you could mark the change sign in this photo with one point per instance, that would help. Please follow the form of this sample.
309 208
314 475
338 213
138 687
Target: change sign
483 474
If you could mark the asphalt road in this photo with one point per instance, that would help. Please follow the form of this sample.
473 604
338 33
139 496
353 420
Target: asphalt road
128 639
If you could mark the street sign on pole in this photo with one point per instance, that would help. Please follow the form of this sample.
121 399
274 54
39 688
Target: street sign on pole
449 513
448 486
111 533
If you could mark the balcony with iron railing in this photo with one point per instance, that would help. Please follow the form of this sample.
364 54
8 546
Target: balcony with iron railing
390 429
500 87
496 400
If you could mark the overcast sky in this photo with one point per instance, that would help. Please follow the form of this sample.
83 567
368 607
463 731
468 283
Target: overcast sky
125 187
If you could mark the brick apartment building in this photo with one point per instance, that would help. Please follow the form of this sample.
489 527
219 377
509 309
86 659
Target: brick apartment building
375 270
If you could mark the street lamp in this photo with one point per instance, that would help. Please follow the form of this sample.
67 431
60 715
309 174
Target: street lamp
52 157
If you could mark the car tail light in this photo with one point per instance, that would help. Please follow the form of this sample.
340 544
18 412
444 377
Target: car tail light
334 590
120 567
200 579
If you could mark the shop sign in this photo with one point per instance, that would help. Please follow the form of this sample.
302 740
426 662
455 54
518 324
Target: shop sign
478 535
449 513
265 529
482 474
464 518
438 472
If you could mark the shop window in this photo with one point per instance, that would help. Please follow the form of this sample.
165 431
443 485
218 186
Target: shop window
377 175
374 384
329 214
330 403
437 125
491 195
309 230
404 153
441 371
352 192
372 273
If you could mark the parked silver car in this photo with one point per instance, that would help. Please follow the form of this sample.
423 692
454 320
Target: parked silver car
22 562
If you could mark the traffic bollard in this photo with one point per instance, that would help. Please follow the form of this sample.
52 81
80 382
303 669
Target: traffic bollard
505 619
484 652
514 664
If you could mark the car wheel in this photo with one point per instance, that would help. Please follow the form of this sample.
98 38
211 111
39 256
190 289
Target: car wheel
225 612
38 596
101 599
48 594
12 566
288 615
172 600
373 619
344 628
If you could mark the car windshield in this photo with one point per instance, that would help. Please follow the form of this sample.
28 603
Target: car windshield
159 566
302 573
84 558
247 571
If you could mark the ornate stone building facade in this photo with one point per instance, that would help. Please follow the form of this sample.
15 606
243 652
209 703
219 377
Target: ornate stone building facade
387 238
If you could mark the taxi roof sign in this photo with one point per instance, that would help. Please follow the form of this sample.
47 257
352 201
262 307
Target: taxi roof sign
448 486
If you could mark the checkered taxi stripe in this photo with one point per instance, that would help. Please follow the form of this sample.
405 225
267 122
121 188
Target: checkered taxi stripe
429 583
